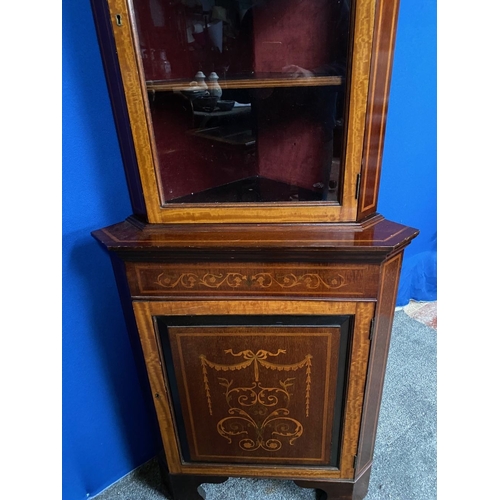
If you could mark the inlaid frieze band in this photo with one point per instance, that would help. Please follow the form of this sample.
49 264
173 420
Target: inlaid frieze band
151 279
311 281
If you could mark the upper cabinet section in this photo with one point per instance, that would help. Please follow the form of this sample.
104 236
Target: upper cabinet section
249 110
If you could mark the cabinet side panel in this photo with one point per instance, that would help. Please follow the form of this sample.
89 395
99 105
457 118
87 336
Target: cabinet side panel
380 77
378 358
137 352
119 106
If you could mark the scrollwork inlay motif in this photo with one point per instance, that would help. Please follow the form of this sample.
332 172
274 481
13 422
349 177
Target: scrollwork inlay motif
261 280
190 280
258 414
308 280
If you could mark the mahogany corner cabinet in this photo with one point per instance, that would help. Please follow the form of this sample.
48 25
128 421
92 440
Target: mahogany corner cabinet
257 277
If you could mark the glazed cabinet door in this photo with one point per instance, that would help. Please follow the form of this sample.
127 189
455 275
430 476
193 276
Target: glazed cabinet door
258 384
236 113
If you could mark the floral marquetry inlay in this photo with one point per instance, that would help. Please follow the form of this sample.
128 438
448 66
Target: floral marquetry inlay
262 280
191 280
259 392
244 279
258 414
308 280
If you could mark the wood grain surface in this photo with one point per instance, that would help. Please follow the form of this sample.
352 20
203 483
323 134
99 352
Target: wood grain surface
253 279
380 78
251 83
362 312
135 90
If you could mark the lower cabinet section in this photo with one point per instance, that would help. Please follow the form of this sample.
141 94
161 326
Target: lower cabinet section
265 346
258 387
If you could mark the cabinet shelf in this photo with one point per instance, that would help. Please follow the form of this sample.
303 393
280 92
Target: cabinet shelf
255 81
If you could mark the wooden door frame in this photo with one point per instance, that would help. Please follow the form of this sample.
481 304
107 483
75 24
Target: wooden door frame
363 312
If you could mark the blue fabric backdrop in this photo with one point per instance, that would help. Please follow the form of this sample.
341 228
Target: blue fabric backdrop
106 425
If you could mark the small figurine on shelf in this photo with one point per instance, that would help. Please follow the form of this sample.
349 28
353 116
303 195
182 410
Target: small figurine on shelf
200 79
213 85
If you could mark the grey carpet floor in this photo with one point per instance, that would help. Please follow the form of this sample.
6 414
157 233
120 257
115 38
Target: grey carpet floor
404 464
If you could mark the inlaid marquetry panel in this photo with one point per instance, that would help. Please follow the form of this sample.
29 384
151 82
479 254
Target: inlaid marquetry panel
150 279
165 385
257 394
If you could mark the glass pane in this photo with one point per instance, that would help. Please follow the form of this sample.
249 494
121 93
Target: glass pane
247 97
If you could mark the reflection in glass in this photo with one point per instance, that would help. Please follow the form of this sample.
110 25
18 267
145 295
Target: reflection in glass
247 97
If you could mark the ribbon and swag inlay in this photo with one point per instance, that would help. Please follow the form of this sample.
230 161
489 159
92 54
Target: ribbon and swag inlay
258 414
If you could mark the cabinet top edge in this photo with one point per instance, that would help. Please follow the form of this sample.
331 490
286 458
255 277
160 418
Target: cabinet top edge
377 237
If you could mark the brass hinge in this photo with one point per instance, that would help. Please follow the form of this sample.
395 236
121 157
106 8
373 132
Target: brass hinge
358 185
355 461
372 327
